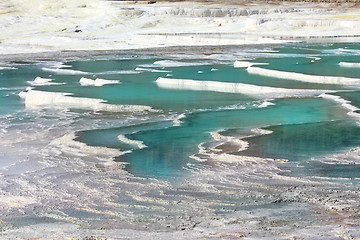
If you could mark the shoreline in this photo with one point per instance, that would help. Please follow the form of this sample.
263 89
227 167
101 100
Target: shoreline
70 55
73 55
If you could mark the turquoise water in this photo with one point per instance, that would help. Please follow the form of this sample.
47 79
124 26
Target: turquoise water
307 140
304 129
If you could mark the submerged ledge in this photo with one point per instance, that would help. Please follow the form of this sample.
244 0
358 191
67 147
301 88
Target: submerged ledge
68 55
